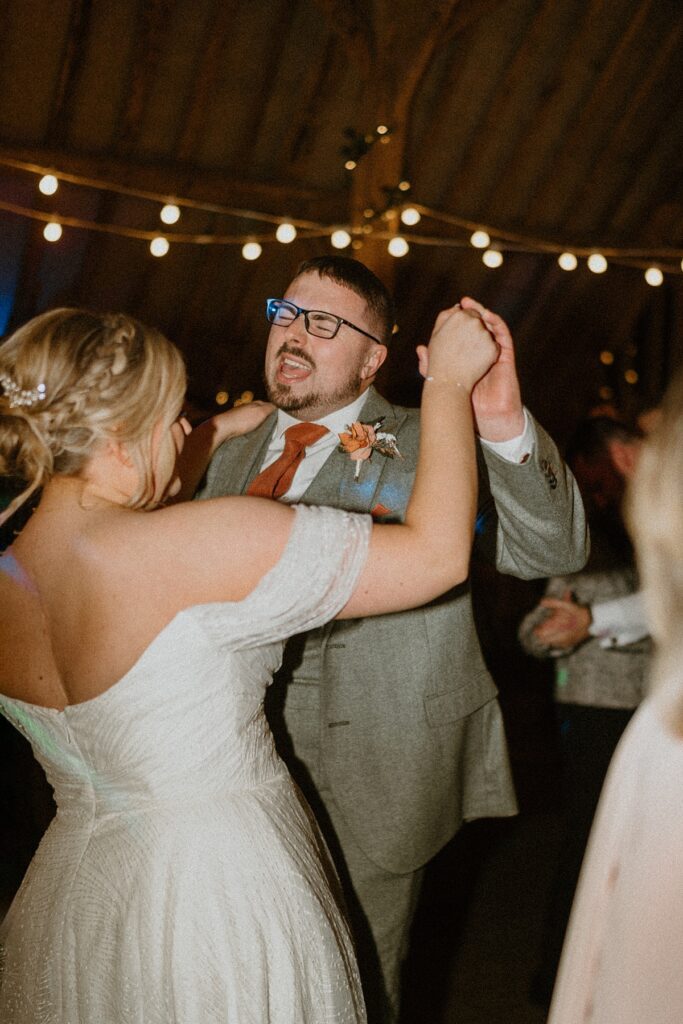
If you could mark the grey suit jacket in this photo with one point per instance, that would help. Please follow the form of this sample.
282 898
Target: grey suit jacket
413 739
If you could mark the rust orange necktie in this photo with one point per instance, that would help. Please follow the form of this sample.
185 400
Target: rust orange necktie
276 479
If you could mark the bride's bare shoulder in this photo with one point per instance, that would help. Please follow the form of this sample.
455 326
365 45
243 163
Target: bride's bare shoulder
209 542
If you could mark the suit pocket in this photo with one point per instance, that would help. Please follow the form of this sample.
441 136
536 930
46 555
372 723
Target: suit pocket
460 701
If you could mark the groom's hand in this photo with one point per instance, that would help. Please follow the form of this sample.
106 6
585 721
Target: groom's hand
202 443
496 398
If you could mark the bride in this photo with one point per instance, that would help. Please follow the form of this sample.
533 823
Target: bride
183 878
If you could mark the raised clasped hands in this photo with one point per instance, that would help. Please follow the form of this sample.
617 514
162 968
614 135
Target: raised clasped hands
496 397
461 349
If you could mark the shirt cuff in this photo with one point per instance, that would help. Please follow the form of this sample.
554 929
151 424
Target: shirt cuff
516 449
620 621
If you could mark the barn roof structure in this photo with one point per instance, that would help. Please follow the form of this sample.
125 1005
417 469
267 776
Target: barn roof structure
553 125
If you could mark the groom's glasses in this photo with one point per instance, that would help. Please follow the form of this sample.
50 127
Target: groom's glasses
318 323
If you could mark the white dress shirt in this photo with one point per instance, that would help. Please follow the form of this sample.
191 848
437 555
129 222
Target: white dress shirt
517 449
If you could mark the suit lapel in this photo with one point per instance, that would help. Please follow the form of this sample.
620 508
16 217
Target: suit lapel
336 484
244 456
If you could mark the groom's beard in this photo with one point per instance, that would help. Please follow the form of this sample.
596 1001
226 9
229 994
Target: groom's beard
292 399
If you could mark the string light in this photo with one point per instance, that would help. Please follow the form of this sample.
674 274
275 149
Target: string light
350 165
606 358
170 213
381 129
631 377
597 263
48 185
398 246
492 258
251 250
480 239
652 263
52 232
411 216
222 398
567 261
340 238
159 246
286 233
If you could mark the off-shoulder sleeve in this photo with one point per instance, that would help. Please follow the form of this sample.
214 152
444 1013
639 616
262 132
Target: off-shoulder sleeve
314 578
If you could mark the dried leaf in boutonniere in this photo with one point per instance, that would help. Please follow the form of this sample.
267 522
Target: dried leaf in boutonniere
361 439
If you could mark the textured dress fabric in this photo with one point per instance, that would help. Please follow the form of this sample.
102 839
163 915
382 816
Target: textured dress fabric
183 879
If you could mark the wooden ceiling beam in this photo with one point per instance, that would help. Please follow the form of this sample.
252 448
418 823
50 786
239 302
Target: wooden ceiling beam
73 60
551 203
354 28
154 16
185 181
213 57
272 57
487 157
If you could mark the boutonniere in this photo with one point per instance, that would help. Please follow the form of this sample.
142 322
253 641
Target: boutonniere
361 439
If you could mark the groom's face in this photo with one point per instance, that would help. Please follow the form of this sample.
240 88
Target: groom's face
308 376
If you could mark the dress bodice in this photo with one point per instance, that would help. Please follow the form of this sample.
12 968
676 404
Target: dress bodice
186 721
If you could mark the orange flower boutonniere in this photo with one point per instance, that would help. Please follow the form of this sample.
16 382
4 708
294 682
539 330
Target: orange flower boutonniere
361 439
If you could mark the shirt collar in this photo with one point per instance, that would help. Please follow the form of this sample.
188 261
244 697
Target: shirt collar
335 422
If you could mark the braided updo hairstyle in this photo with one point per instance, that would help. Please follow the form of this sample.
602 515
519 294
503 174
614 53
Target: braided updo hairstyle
89 377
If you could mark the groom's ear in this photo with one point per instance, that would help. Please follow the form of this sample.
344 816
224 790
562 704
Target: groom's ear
373 360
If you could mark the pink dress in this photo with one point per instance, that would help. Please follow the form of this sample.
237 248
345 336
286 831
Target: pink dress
623 956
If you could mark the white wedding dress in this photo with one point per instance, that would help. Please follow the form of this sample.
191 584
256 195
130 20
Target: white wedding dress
183 879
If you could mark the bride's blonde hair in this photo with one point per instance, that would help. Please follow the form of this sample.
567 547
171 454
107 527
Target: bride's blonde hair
655 515
69 381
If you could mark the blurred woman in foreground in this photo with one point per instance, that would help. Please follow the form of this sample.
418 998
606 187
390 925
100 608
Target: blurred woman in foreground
622 959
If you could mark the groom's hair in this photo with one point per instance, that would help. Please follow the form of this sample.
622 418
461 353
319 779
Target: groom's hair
360 279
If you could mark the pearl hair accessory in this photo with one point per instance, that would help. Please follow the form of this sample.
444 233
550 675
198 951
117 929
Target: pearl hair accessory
18 396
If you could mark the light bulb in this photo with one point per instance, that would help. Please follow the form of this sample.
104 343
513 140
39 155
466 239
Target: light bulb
398 246
52 231
411 216
285 233
251 250
480 240
340 238
654 276
48 184
492 258
597 263
222 398
159 246
170 214
567 261
350 165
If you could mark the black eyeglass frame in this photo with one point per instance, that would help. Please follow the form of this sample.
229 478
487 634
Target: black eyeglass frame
306 312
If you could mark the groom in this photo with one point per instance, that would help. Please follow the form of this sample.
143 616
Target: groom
391 725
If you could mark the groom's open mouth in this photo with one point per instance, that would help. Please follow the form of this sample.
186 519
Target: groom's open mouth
292 368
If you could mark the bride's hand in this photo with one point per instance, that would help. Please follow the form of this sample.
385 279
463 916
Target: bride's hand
461 348
240 420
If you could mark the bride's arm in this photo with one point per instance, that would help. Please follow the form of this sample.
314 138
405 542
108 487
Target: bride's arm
414 562
201 444
218 550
